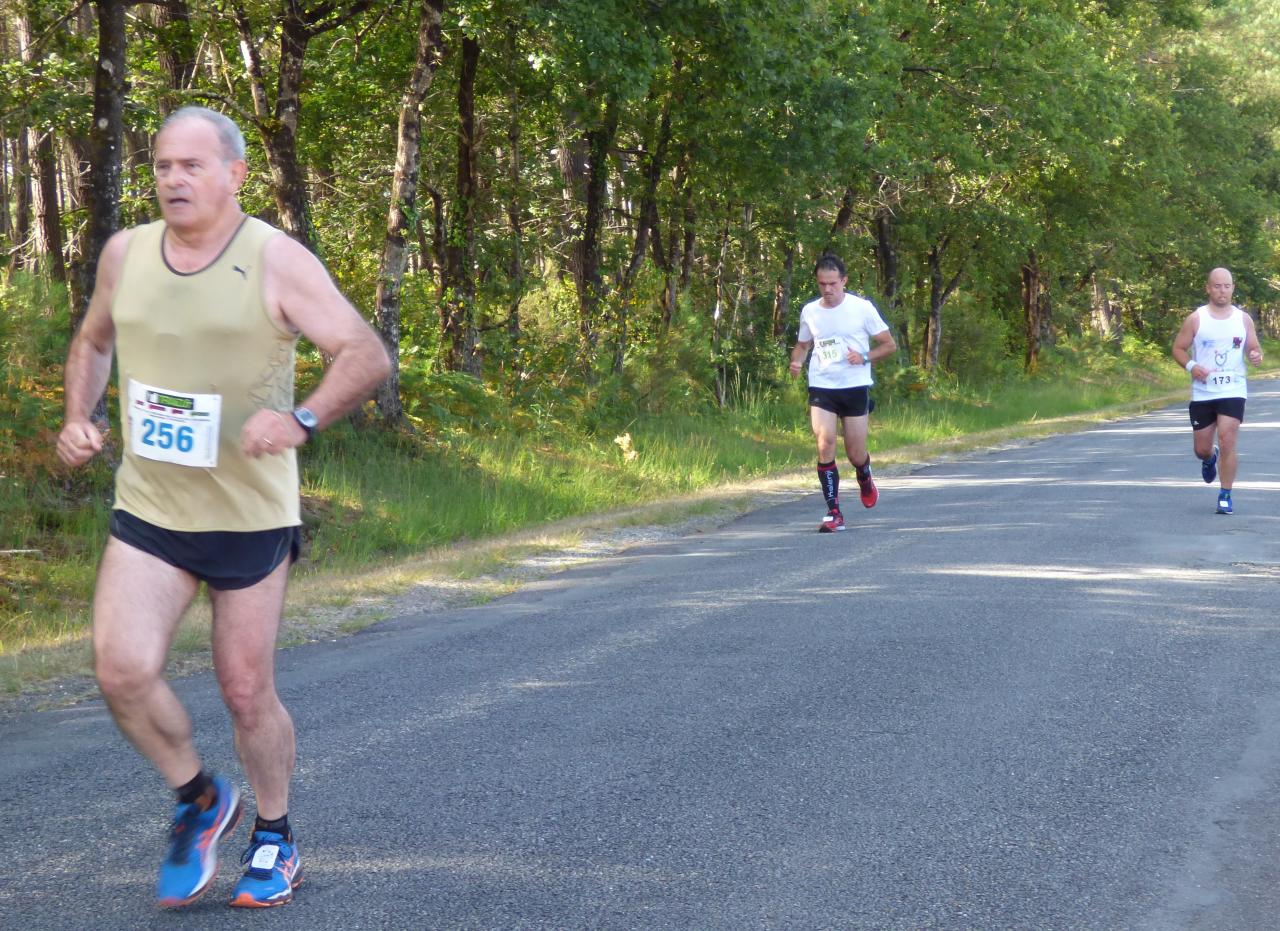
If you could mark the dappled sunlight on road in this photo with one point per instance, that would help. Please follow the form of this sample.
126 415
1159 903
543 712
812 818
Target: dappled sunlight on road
1178 574
931 483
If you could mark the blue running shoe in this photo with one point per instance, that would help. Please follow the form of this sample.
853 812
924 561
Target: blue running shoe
193 846
275 870
1224 502
1209 467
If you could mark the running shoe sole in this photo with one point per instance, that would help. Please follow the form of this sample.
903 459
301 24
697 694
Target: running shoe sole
245 900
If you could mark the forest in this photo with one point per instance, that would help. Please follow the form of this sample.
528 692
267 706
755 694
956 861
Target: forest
618 203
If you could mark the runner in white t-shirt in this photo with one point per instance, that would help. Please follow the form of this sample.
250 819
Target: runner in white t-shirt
1212 345
840 329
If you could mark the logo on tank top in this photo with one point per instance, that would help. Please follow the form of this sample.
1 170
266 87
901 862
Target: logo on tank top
244 273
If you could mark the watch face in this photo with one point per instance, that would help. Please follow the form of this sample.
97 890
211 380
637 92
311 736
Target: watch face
306 418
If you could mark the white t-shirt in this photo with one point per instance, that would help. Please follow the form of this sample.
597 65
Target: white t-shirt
834 331
1219 347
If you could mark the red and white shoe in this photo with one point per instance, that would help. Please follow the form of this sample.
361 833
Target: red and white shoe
867 491
833 522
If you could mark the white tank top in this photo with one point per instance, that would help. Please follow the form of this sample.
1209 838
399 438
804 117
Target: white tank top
1219 347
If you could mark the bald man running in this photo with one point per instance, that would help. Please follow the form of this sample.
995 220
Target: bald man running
1212 345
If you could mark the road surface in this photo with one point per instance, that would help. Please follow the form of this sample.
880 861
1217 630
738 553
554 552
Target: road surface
1038 687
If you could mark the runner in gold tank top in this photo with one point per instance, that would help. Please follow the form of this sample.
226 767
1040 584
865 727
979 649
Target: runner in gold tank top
203 310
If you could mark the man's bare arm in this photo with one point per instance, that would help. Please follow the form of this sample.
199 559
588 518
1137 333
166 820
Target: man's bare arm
301 296
1182 348
88 364
1252 346
798 355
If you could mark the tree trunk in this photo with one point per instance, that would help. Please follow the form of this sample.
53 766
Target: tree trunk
177 49
844 218
599 141
6 165
457 309
278 125
940 290
646 225
1107 320
782 296
404 199
23 199
1031 306
515 216
105 138
887 270
933 329
47 207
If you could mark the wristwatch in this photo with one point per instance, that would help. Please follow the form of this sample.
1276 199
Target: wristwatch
306 420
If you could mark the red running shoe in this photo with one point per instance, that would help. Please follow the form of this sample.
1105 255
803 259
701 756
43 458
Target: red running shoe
867 490
833 522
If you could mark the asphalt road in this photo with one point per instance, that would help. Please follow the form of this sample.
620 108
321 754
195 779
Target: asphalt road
1037 688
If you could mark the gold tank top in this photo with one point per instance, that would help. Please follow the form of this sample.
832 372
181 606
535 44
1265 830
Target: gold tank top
202 335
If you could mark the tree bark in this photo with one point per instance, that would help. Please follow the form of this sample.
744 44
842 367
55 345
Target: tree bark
177 51
6 218
1032 290
278 124
599 141
404 200
457 309
105 139
1108 322
515 217
646 229
782 296
23 199
47 208
939 290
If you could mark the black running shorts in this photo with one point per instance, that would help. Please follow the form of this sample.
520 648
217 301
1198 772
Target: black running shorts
1206 413
843 402
222 559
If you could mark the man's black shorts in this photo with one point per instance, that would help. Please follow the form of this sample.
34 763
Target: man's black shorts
1205 413
843 402
222 559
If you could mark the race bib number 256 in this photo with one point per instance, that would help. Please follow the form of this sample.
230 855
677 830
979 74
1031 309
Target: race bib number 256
174 426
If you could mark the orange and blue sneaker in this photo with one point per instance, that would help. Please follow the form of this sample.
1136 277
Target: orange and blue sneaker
274 871
192 861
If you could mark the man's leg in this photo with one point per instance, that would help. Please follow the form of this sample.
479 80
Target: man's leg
855 447
131 637
245 624
855 440
824 433
1228 434
1202 441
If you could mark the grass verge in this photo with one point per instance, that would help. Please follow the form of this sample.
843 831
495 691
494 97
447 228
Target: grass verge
399 522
